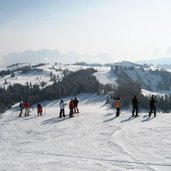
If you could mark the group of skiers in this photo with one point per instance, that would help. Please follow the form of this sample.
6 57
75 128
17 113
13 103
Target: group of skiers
73 107
135 103
26 107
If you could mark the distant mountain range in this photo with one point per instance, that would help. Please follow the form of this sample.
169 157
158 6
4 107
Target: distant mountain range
161 61
52 56
55 56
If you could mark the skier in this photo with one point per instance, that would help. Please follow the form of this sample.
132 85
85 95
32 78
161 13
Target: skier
117 105
26 106
76 105
152 104
62 109
39 110
21 109
135 106
71 107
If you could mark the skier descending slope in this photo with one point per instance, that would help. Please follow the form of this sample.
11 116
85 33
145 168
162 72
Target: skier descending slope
62 109
135 106
152 104
117 105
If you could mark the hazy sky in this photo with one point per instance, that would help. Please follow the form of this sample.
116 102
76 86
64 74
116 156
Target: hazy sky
126 29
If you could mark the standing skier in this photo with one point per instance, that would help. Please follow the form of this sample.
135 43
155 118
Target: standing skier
39 110
135 106
76 105
152 104
117 105
62 109
26 106
21 109
71 107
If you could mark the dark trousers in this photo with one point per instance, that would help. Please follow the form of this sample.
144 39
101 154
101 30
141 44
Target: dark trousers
135 110
76 109
117 112
152 109
71 113
21 111
62 113
39 113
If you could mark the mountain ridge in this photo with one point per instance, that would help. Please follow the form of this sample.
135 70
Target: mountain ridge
53 56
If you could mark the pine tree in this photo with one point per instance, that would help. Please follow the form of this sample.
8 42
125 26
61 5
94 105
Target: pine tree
12 74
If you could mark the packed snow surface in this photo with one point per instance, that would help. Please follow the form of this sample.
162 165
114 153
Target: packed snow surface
93 140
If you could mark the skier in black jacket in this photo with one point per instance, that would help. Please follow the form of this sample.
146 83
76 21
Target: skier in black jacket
152 104
76 105
21 109
135 106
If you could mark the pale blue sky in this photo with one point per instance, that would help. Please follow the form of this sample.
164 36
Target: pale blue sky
126 29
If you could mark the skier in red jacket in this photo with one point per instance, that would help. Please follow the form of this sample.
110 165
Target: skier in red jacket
26 106
71 107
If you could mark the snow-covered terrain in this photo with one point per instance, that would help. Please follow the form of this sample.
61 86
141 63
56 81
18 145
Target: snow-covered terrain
150 93
149 80
105 75
33 77
43 75
36 77
94 140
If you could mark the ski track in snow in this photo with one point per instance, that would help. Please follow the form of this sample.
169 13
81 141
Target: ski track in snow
95 140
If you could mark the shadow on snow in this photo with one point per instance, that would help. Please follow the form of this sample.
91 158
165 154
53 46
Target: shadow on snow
53 120
148 119
107 120
128 119
28 118
109 114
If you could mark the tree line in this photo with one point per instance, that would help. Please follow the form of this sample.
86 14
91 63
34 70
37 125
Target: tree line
127 89
74 83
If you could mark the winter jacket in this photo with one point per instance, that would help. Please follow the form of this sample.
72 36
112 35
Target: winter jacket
117 103
39 108
153 103
26 105
71 104
21 105
76 102
134 102
62 105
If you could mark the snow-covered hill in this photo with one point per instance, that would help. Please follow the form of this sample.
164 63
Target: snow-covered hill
42 74
150 77
34 77
94 140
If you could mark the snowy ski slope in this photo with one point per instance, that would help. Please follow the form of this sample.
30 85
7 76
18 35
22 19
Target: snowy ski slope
93 141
